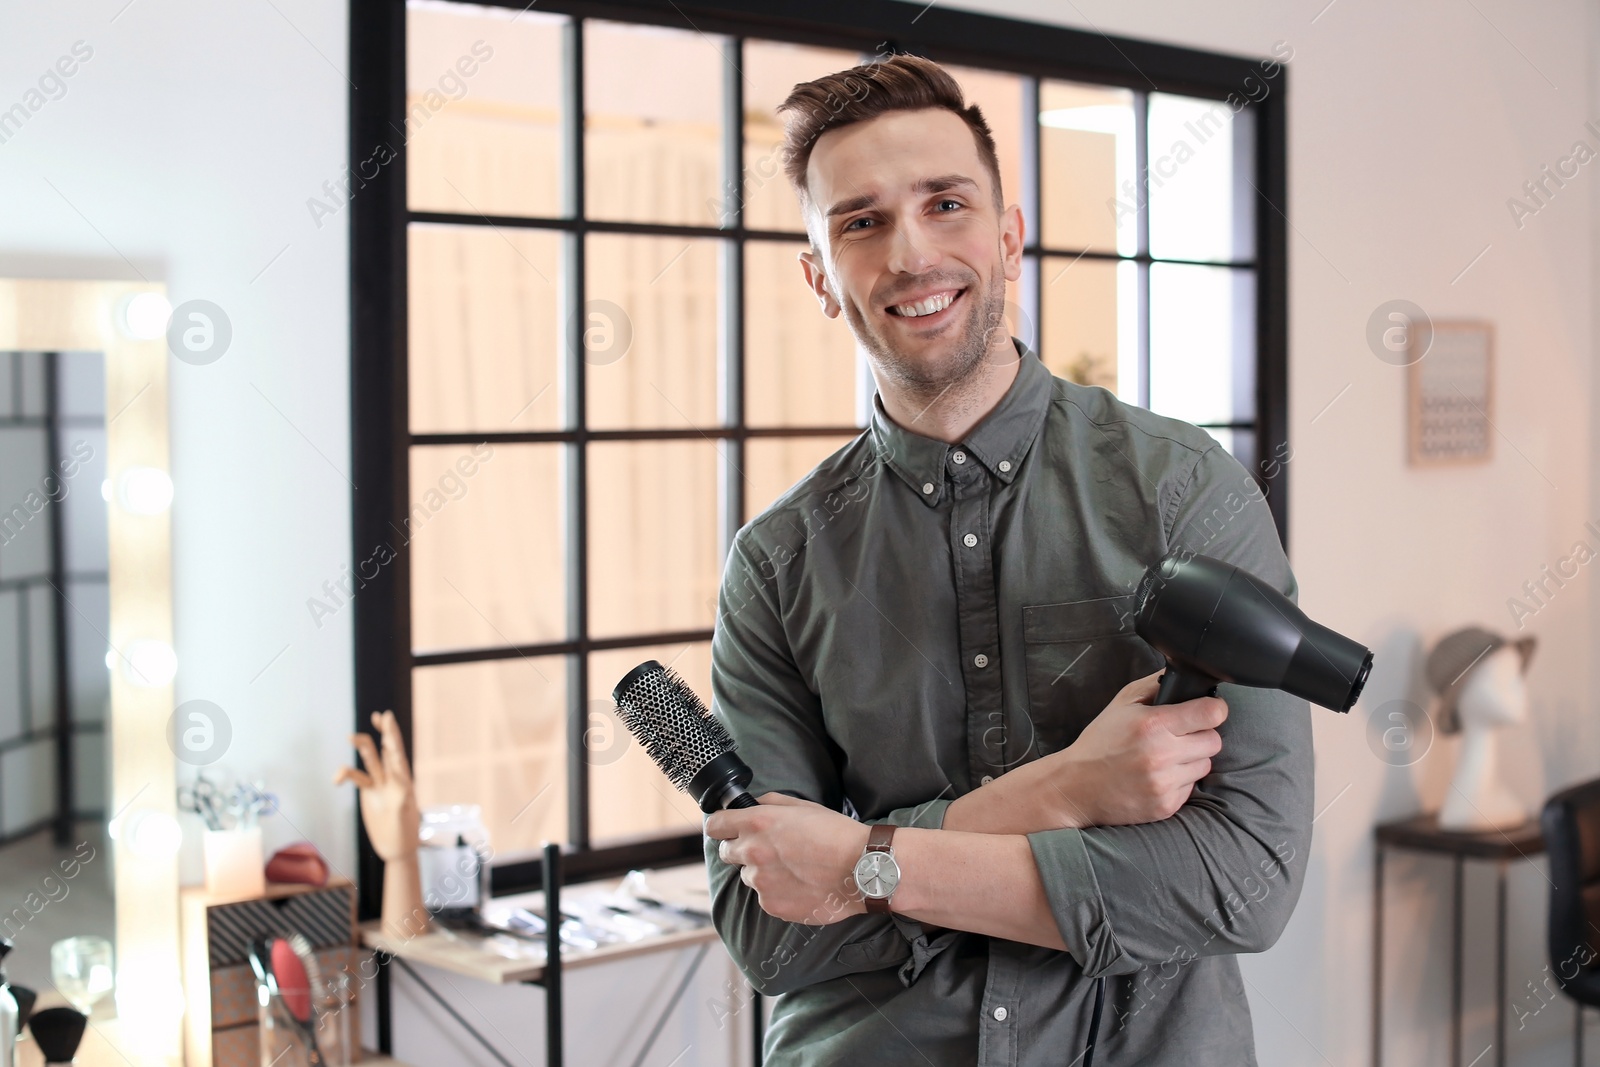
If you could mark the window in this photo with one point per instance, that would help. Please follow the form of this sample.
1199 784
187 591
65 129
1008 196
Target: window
583 356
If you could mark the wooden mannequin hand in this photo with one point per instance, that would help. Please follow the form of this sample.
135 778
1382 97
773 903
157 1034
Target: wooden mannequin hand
391 817
388 798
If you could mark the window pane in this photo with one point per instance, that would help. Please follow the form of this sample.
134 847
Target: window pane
1202 162
483 328
1085 339
486 538
1241 444
652 122
628 794
771 71
999 95
800 365
483 109
773 464
1087 160
653 560
652 336
494 734
1202 343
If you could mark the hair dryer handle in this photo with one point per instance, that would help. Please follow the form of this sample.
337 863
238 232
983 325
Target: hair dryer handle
1178 686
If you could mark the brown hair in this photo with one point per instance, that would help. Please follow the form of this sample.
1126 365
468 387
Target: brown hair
899 83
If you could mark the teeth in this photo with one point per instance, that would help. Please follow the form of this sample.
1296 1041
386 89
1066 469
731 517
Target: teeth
925 307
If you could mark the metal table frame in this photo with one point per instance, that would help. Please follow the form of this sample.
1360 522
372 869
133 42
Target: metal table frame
1422 834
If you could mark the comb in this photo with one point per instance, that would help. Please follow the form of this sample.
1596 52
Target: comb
693 749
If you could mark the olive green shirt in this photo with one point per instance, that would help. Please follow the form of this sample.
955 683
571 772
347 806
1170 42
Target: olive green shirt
913 619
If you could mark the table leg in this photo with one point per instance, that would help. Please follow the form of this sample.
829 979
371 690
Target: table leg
758 1028
385 1005
1500 968
1455 956
1377 956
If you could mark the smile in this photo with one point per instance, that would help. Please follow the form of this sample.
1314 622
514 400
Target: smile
929 307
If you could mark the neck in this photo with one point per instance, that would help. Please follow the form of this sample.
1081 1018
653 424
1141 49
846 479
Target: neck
949 412
1475 768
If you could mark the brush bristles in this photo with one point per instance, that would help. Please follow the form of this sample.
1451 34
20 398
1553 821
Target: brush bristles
672 723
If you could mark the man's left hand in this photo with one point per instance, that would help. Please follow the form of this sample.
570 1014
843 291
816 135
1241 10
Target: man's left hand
798 856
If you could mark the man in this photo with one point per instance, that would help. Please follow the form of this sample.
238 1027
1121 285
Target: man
932 632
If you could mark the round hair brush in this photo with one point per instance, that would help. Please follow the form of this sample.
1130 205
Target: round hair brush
678 733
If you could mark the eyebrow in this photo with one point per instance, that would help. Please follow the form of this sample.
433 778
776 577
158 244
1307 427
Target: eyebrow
940 184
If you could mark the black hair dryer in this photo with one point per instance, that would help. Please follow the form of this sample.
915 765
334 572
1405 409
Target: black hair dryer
1215 623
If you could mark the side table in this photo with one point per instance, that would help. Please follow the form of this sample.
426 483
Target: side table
1421 833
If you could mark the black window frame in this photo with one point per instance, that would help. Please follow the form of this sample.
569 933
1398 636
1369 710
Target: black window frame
380 433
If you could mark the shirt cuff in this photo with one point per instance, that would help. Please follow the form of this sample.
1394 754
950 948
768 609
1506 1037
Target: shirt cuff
1073 893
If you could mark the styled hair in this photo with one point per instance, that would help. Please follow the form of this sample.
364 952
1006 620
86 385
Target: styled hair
899 83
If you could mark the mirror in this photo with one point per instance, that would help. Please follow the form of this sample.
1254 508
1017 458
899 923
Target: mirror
88 837
55 615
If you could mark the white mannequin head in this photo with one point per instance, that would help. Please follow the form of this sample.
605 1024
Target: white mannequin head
1494 694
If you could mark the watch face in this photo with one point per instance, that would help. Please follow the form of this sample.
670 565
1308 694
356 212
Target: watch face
877 874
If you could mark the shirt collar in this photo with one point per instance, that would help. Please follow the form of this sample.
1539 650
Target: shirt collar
999 441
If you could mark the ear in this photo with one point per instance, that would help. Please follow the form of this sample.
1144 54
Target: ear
1013 232
816 276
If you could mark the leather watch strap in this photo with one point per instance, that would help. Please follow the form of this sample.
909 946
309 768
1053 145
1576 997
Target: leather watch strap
879 839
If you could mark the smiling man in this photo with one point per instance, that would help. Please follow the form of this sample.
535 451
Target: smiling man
977 842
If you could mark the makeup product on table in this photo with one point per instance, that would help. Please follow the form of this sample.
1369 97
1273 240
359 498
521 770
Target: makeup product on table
58 1032
287 975
10 1015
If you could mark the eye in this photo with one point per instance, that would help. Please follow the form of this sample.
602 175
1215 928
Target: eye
949 200
851 225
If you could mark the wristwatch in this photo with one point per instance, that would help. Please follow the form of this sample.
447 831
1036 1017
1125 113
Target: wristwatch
876 872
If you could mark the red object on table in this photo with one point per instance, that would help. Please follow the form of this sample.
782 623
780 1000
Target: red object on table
298 863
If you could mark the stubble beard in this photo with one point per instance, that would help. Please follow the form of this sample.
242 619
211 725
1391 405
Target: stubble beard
952 379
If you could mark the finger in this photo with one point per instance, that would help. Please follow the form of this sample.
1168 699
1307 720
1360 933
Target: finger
747 875
368 751
1194 770
1201 713
1202 744
725 825
394 748
780 800
350 774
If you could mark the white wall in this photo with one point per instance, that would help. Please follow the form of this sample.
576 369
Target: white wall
1410 124
185 149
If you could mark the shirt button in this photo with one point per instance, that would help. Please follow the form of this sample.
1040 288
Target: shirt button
959 456
980 660
1005 466
1000 1014
985 780
971 540
927 487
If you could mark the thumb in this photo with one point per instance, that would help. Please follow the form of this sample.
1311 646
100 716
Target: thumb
780 800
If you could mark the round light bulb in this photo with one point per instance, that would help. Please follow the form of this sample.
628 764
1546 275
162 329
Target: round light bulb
144 490
150 834
146 316
150 664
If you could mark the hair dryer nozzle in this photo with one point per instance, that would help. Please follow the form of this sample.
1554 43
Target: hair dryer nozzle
1213 621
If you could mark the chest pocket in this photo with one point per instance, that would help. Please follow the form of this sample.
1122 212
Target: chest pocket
1079 654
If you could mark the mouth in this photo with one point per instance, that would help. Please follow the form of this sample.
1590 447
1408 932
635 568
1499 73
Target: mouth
931 310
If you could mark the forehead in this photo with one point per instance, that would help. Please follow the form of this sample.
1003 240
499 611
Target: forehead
886 155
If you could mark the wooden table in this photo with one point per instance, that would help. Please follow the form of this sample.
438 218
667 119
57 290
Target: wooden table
1421 833
476 957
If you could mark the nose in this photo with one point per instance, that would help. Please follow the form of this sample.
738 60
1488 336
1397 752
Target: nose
911 250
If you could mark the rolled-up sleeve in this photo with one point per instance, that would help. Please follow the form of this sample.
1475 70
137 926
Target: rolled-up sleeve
1223 874
761 696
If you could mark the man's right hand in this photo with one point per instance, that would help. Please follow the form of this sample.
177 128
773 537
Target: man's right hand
1135 763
